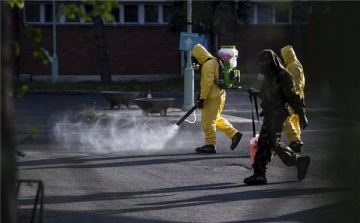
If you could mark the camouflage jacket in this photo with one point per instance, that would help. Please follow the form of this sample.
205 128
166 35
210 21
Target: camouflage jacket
278 92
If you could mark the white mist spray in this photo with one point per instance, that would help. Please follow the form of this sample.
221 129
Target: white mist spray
116 135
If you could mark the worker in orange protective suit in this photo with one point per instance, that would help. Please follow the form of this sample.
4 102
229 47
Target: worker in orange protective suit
211 101
291 125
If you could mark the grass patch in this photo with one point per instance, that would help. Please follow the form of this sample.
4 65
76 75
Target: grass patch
176 85
169 85
133 85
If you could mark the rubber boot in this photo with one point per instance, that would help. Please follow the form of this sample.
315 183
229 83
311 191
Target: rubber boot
302 165
256 179
235 140
211 149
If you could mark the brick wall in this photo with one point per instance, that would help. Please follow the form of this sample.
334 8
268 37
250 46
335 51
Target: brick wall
250 41
138 50
131 50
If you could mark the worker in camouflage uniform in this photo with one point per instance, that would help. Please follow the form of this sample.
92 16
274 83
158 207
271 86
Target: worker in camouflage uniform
277 93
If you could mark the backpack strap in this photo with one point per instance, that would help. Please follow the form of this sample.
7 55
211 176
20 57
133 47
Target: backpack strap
221 72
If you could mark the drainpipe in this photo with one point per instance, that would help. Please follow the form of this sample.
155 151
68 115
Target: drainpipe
189 71
54 68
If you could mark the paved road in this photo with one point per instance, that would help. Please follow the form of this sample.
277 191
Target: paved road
148 172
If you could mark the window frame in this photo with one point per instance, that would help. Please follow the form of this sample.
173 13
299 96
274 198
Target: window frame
138 15
161 13
141 14
273 21
158 14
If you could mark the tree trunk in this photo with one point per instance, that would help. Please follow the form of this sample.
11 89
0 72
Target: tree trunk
213 41
101 55
8 173
213 44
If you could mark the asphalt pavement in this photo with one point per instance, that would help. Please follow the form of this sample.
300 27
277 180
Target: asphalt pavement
123 167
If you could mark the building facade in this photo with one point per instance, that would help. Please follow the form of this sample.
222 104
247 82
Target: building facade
139 43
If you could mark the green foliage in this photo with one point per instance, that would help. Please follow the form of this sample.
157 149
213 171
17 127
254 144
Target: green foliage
210 15
28 138
15 47
170 85
21 91
32 33
35 35
34 130
74 11
176 84
99 8
44 55
17 3
103 9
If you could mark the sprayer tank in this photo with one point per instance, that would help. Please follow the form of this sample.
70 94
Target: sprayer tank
228 53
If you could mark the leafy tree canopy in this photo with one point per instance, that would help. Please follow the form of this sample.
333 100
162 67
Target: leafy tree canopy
220 15
210 18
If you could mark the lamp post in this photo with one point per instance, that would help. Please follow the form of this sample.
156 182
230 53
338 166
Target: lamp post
54 68
189 71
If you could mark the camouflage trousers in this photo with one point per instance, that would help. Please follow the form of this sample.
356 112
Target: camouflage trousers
270 141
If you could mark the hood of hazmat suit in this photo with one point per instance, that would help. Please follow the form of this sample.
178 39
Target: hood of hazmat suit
209 73
269 62
295 68
278 87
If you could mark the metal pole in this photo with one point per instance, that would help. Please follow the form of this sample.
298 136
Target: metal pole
54 68
189 71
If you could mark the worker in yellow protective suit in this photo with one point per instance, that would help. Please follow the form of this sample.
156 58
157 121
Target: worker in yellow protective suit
211 101
291 125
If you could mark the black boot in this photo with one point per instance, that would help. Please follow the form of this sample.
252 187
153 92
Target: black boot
235 140
206 149
302 165
256 179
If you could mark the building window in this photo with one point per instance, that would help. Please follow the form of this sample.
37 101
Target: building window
272 13
261 12
32 12
116 13
265 14
282 12
131 14
151 13
48 12
167 12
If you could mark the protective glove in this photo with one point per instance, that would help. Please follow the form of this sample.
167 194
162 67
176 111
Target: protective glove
200 103
254 92
302 118
303 121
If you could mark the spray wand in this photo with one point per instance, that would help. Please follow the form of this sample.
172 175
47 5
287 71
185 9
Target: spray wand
178 123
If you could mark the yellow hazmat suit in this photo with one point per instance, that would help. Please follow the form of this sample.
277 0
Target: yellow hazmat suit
293 65
214 97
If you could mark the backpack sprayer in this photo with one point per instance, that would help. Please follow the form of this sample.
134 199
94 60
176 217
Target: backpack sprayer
228 75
